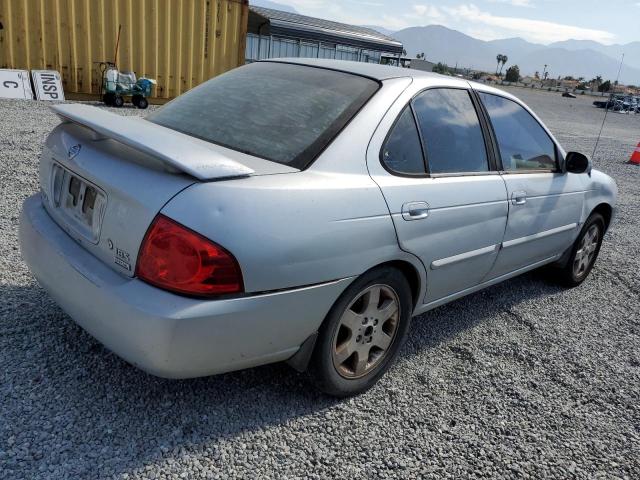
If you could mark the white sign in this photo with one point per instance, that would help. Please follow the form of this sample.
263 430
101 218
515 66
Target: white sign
48 85
15 84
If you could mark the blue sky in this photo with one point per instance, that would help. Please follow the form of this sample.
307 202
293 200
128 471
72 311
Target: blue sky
540 21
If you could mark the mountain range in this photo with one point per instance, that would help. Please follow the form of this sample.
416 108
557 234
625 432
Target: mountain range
578 58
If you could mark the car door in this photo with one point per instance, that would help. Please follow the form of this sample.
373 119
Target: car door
545 205
449 206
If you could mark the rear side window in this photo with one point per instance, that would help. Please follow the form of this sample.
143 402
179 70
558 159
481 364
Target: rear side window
281 112
523 143
402 152
451 131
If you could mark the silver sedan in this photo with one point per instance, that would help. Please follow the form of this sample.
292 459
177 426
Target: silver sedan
302 211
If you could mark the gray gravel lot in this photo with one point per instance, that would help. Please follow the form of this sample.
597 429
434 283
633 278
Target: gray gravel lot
522 380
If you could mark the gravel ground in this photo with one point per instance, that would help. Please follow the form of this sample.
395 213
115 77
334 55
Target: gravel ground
522 380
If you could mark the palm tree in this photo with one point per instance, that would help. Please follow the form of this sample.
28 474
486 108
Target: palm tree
504 61
499 59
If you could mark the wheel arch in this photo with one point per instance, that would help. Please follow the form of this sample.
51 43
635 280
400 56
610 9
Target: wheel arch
411 272
606 211
603 208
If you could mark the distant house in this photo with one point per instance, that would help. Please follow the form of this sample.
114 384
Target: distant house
277 34
569 84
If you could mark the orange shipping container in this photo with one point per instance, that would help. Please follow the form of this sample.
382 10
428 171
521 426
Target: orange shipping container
180 43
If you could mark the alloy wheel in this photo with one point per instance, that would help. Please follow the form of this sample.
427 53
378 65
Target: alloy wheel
586 251
366 331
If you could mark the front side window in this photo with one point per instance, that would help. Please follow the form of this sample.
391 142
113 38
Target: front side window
282 112
451 131
523 143
402 152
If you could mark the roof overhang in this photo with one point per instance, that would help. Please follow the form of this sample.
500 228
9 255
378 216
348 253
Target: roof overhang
316 33
309 32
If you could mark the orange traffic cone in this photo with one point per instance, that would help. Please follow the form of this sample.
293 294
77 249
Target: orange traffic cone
635 156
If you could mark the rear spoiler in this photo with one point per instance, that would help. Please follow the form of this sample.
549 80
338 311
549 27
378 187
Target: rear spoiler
173 148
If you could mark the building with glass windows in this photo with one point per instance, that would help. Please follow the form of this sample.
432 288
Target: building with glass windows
277 34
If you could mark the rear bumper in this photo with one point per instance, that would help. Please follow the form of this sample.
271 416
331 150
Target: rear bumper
159 332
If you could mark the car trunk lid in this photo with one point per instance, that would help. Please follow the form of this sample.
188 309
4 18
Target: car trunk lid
104 179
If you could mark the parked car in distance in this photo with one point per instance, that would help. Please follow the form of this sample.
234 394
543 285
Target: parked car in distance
610 102
303 211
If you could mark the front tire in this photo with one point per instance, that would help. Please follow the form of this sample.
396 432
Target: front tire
362 334
584 252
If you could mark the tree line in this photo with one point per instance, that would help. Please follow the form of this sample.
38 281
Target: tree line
513 74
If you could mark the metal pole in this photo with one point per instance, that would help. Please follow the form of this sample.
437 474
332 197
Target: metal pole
259 45
115 57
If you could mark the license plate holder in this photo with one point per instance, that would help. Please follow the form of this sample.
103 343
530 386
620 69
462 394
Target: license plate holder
80 203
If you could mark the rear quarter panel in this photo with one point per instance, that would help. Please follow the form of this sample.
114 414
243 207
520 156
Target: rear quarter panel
294 229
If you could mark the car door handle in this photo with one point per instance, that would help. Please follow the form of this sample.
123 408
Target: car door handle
519 198
415 210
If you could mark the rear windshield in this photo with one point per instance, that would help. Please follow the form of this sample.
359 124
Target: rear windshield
281 112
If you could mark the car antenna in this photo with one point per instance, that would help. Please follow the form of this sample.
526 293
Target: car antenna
606 110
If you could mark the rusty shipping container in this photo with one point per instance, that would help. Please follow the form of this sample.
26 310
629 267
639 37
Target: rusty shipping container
180 43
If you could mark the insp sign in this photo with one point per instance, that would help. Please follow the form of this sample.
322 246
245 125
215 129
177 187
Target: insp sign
47 85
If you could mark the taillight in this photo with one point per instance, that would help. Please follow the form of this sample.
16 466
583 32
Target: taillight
178 259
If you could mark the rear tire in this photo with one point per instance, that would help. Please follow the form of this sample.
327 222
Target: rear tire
118 101
583 253
362 334
142 103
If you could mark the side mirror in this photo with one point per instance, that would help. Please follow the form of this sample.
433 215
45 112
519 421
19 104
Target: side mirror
576 162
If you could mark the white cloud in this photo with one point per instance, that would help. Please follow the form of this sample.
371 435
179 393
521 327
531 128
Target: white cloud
339 12
313 4
515 3
425 12
369 4
420 9
533 30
